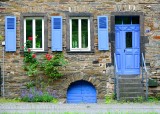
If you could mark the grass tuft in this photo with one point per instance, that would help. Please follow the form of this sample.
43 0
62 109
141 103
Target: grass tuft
5 100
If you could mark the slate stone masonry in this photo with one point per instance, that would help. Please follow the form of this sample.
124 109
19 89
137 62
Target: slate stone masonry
94 67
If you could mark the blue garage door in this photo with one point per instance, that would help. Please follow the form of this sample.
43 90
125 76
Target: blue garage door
81 92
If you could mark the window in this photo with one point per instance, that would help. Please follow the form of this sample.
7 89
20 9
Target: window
128 39
118 20
126 19
80 34
34 32
135 20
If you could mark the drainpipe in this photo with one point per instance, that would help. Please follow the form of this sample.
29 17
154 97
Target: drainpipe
3 44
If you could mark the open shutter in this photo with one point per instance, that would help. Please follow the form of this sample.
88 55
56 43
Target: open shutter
103 43
10 33
56 29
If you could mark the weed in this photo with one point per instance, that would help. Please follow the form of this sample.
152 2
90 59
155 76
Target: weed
152 99
109 98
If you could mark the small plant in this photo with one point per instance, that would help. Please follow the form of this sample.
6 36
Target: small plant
35 95
152 99
109 98
158 97
140 99
30 84
1 38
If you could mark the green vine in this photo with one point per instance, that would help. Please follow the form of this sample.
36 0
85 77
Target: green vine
50 65
30 61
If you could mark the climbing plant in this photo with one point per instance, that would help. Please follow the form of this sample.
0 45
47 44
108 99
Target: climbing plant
50 64
30 61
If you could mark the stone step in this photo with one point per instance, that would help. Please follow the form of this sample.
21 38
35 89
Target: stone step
124 85
129 76
132 89
131 94
128 80
132 98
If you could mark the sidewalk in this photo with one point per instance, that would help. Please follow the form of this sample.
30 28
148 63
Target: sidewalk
48 108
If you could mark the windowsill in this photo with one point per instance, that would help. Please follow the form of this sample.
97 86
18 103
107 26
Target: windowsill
22 51
80 52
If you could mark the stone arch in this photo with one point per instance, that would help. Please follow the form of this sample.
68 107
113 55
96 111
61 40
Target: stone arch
81 91
81 76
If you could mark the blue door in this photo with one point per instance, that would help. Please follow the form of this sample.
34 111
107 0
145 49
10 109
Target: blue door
127 48
81 92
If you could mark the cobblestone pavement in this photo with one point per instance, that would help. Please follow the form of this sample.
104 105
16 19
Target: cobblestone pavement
47 108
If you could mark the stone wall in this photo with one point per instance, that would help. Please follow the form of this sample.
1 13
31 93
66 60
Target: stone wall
94 67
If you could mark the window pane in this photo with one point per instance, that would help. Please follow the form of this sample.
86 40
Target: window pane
118 20
38 33
75 33
29 33
84 23
135 20
127 20
128 39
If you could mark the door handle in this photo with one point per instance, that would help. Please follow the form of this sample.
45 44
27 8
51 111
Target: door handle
124 50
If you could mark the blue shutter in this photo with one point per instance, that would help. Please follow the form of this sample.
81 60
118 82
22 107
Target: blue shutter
10 33
56 29
103 42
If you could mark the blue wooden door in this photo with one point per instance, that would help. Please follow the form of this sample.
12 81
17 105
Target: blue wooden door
81 92
127 49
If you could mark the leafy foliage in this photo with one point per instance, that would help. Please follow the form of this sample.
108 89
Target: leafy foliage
51 65
30 84
155 98
109 98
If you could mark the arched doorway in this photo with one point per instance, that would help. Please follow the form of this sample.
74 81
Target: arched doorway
81 92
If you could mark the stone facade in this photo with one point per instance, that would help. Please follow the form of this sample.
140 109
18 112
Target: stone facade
95 67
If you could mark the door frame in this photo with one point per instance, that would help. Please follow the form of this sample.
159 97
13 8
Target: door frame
143 39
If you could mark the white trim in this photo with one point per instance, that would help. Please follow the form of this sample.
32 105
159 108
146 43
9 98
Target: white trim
43 34
70 21
34 33
24 32
89 36
79 35
79 18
